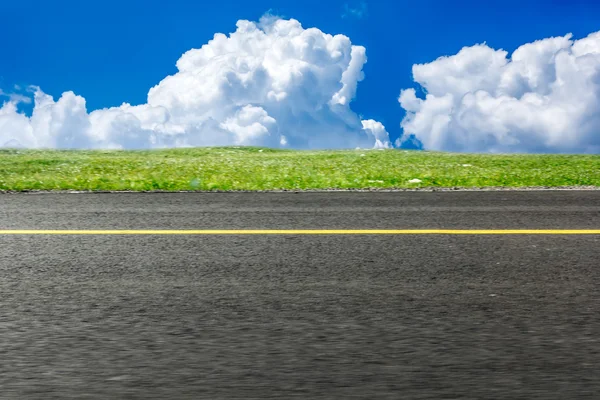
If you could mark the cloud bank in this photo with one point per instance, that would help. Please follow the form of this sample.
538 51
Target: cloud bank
545 98
271 83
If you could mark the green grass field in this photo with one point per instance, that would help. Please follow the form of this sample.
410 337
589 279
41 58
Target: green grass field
247 168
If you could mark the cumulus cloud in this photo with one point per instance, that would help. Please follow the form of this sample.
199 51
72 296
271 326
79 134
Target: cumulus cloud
270 83
544 98
377 130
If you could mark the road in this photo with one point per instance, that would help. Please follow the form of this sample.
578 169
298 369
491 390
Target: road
300 316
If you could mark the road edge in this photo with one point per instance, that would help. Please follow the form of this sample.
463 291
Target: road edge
333 190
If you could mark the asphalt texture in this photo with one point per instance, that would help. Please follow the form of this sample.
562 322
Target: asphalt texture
307 317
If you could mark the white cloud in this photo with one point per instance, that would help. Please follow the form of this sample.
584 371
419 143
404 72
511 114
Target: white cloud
269 83
15 98
358 11
377 130
545 98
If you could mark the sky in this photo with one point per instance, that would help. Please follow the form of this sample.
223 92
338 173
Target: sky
102 54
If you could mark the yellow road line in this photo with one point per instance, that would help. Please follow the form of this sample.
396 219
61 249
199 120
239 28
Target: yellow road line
312 232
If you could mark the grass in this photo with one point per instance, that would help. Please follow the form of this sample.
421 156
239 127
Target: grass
250 168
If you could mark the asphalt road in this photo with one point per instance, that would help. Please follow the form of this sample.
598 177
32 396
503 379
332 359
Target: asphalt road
307 317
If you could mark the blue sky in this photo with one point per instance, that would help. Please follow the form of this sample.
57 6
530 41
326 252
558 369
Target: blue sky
113 51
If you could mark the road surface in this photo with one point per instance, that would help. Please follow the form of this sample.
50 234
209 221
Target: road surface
431 316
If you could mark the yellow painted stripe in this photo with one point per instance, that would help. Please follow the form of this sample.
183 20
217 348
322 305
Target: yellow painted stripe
312 232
